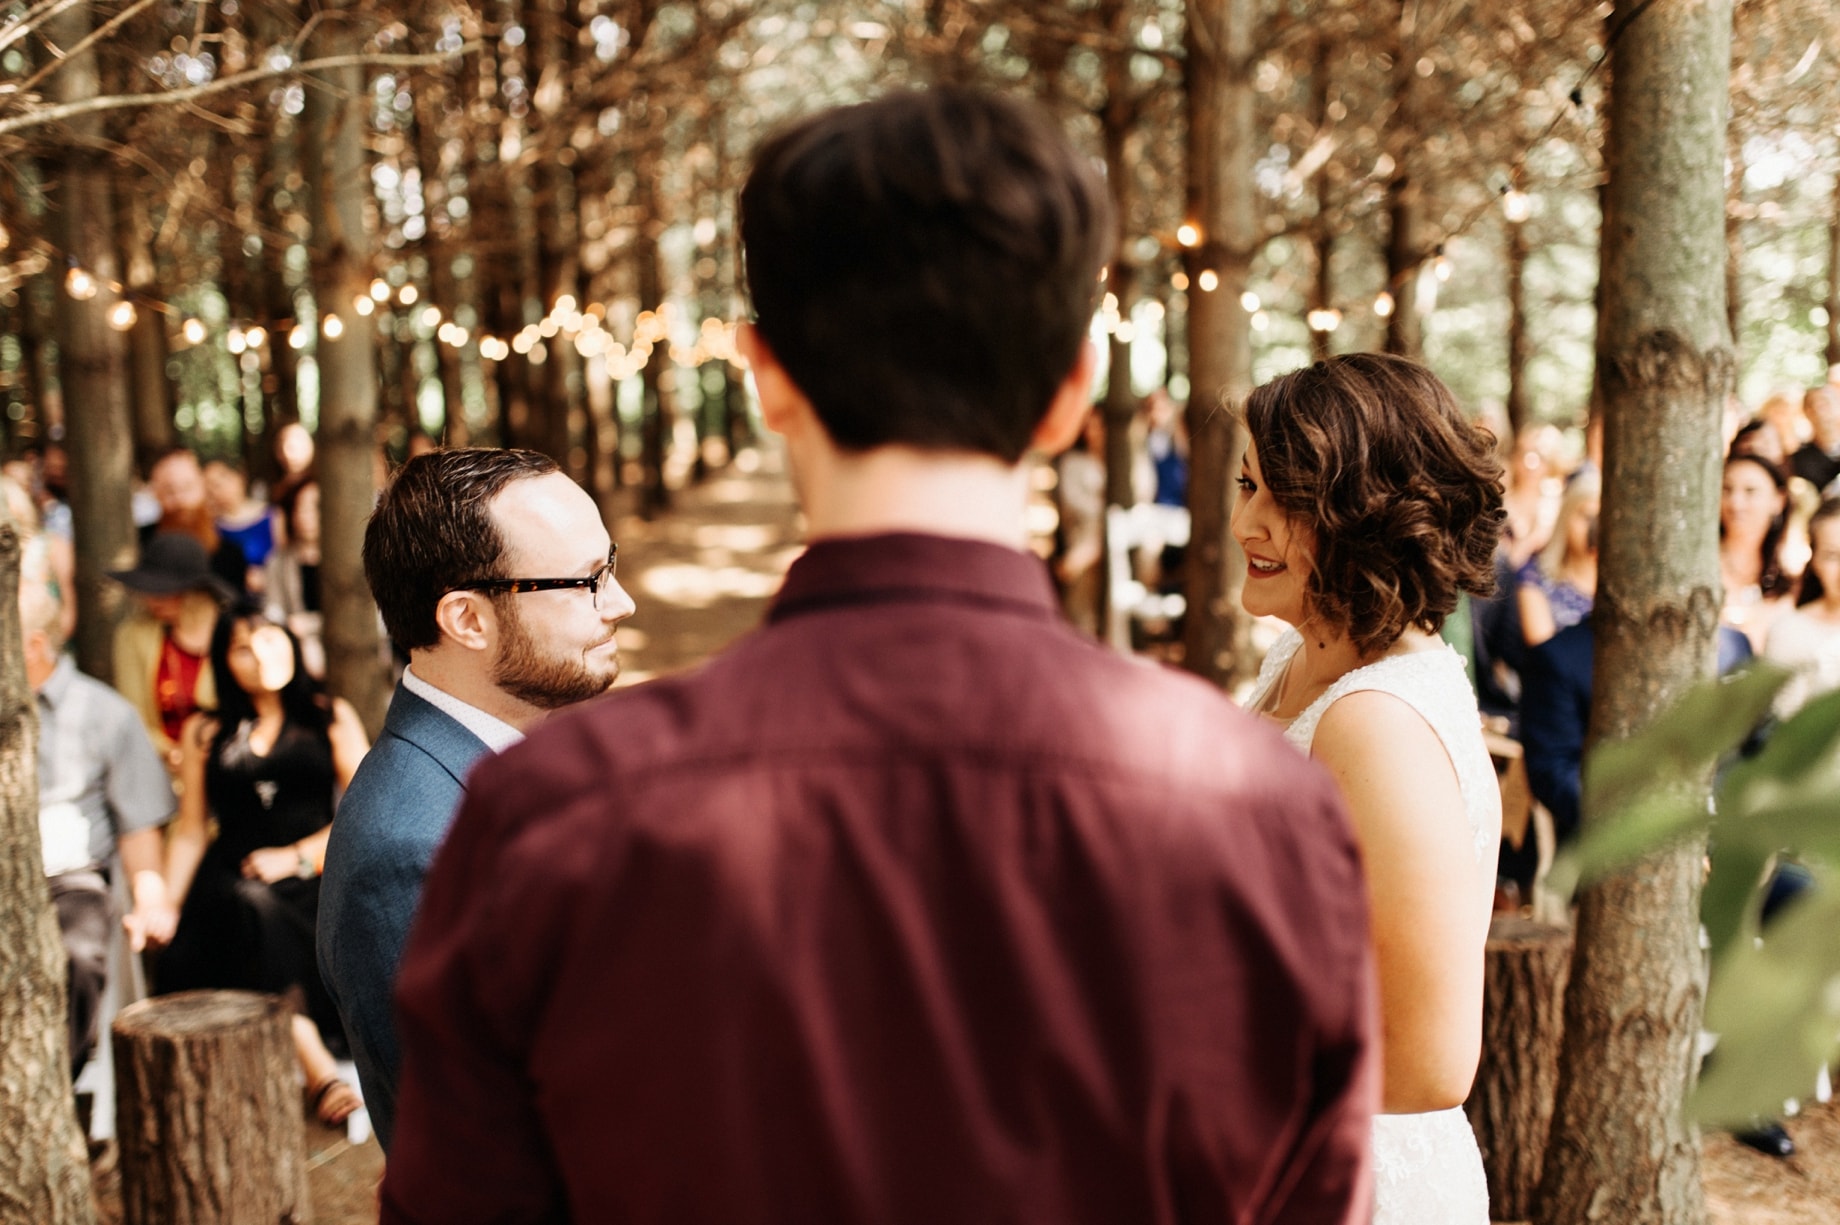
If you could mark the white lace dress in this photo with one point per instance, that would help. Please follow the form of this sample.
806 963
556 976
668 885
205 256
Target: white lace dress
1427 1169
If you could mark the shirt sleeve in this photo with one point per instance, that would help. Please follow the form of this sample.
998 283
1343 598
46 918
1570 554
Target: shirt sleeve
138 789
467 996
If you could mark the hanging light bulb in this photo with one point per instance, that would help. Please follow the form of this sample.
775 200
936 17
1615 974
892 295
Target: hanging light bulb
431 316
1188 234
236 341
256 336
332 327
1324 319
298 336
380 290
79 284
1250 301
1209 280
407 295
193 330
1517 205
1441 267
1383 304
364 304
122 315
1179 281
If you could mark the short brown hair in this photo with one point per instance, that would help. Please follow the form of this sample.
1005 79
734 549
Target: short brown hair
433 530
925 266
1402 493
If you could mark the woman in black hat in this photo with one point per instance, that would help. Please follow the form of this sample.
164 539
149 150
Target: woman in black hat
161 649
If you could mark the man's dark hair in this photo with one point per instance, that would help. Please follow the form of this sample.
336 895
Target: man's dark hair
433 530
925 266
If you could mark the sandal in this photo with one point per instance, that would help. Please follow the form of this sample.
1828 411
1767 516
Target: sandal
333 1101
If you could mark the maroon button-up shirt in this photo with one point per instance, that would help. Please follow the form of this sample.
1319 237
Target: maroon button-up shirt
912 908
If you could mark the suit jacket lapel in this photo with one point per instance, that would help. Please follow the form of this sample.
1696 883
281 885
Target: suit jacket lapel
435 732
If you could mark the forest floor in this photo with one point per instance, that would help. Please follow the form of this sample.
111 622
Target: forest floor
701 575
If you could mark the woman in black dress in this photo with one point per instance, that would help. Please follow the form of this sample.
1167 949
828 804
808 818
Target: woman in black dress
265 765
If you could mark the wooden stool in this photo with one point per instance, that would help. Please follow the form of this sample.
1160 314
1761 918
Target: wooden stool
208 1111
1526 967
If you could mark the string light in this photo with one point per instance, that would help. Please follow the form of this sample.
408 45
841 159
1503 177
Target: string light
431 316
1208 281
1250 301
1324 319
364 304
1441 267
380 290
79 284
407 295
193 331
256 336
298 337
1517 205
1188 235
236 341
332 327
1260 321
1179 281
122 315
1383 304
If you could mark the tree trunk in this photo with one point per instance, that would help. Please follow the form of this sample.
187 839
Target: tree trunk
1621 1146
658 415
1520 347
1523 1014
44 1169
211 1123
1322 233
336 183
1734 234
1220 204
1405 255
92 361
152 390
1116 119
1833 284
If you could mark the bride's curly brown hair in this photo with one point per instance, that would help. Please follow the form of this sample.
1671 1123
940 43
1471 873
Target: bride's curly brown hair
1402 494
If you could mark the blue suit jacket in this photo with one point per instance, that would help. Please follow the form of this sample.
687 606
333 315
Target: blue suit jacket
389 825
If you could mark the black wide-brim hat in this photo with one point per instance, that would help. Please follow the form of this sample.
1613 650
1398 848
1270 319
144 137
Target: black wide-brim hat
173 562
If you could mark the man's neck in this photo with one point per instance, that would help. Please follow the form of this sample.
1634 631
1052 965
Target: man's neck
471 682
903 489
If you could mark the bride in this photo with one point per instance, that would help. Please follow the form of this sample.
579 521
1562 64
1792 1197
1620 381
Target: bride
1366 504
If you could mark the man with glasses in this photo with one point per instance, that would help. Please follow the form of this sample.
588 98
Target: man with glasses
914 906
495 576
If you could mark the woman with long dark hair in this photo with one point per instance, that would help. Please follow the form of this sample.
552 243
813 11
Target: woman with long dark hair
265 764
1753 519
1367 505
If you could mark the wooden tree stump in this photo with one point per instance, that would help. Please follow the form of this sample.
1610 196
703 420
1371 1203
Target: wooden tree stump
209 1114
1523 1018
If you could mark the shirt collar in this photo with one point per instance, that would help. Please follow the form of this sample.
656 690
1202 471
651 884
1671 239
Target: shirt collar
58 683
909 566
497 734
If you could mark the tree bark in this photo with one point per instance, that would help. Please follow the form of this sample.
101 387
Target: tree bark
1116 119
211 1123
92 361
1833 283
658 413
1520 347
44 1168
1510 1106
1405 329
1220 204
152 390
337 180
1621 1146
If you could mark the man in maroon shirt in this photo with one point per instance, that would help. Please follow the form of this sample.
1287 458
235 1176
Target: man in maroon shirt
914 906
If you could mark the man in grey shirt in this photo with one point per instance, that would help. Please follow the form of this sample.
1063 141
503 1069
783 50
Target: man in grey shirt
102 793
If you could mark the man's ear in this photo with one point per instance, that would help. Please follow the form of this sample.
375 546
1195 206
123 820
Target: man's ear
1066 415
468 618
783 407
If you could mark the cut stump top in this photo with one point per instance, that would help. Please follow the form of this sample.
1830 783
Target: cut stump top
192 1013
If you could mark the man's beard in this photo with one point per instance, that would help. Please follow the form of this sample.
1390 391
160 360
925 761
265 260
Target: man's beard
548 682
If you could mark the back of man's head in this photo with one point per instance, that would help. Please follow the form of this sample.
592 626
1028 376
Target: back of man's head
433 529
925 266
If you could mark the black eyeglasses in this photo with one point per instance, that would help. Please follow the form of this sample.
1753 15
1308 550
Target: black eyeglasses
601 580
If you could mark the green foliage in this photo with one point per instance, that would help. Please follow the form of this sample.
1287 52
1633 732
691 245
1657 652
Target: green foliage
1775 1000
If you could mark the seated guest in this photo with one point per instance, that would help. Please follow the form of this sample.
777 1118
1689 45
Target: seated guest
291 579
1808 639
1556 588
162 648
177 481
1753 522
103 795
1759 437
263 766
1818 460
249 524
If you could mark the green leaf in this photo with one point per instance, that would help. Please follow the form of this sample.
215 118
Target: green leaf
1776 1009
1729 904
1644 826
1802 742
1708 721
